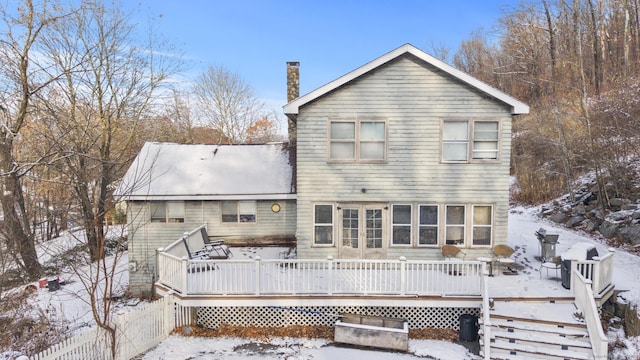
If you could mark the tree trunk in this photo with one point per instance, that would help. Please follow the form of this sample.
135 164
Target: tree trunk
19 237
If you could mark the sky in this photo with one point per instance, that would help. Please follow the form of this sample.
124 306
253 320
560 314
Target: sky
329 38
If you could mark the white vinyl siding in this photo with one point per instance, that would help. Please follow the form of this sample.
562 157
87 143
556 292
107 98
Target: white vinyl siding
357 140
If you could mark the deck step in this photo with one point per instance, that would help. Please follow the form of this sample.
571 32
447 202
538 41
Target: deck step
535 351
574 331
538 312
545 340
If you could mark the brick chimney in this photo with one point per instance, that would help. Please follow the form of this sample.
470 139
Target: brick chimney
293 91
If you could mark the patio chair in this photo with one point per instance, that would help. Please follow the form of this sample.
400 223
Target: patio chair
554 264
502 255
451 252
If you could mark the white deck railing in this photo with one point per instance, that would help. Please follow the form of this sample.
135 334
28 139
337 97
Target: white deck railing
584 301
319 277
599 271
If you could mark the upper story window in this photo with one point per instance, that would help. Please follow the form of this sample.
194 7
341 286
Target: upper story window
465 140
238 211
167 211
358 140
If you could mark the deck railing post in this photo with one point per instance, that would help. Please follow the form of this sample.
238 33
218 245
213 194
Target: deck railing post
184 287
403 275
330 275
258 275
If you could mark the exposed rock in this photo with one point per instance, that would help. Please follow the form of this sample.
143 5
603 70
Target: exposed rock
580 209
616 203
558 217
619 216
587 198
590 226
630 234
608 229
574 221
636 215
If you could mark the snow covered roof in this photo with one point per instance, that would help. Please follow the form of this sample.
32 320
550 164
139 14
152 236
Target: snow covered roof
165 171
517 107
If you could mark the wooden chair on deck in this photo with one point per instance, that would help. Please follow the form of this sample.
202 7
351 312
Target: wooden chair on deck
503 254
451 252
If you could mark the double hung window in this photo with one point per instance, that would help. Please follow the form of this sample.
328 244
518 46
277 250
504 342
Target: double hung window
401 225
238 211
357 140
323 224
464 140
428 225
482 225
167 211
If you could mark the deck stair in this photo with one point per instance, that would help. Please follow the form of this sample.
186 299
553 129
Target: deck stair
537 330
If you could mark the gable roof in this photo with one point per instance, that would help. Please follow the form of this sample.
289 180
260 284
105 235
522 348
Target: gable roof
517 107
166 171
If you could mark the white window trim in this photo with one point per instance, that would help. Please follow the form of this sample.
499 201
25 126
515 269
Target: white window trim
358 141
410 225
437 226
491 226
470 141
314 224
465 236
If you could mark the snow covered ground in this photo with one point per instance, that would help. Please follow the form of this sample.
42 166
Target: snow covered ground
68 305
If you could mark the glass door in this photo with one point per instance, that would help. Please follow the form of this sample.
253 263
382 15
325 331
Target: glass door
362 232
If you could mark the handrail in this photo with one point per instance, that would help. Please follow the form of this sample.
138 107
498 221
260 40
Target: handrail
585 302
599 271
486 308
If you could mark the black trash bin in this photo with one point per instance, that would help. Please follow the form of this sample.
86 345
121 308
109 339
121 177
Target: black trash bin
468 327
579 251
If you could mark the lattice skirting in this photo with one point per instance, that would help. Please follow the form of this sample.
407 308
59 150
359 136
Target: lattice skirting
418 317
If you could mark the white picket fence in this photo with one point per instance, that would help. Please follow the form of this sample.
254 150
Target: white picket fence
136 332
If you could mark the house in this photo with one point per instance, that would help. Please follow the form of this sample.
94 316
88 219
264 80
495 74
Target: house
241 192
400 157
396 158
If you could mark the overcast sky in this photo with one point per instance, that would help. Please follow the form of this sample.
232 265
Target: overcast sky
329 38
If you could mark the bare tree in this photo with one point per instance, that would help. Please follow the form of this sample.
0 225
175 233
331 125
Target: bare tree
23 76
227 103
111 79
